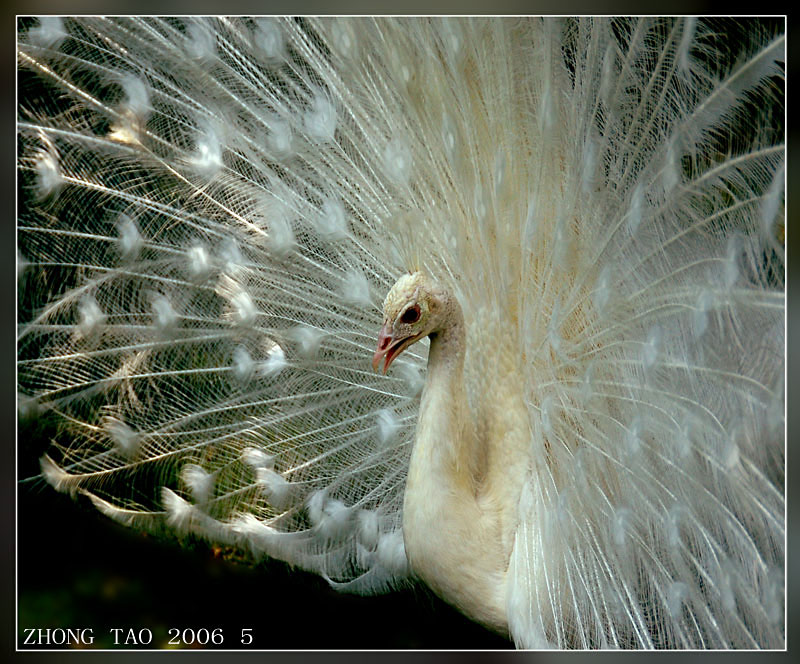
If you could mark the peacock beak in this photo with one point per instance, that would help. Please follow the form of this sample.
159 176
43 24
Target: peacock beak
385 340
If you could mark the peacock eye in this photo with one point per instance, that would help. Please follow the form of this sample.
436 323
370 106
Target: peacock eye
410 315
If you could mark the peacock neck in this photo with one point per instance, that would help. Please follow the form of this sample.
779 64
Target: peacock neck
444 416
446 354
451 541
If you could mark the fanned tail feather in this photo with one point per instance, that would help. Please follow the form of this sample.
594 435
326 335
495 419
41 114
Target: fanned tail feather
216 207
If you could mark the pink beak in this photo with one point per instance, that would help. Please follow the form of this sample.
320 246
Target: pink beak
385 340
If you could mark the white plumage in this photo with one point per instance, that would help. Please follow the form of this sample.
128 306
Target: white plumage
593 456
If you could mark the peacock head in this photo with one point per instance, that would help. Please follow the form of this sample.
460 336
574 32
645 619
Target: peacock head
412 310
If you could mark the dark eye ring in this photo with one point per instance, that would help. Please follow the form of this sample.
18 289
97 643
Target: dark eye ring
410 315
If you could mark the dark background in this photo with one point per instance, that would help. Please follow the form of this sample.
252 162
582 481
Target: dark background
78 569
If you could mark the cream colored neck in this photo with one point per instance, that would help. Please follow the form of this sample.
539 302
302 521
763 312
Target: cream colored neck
451 537
444 411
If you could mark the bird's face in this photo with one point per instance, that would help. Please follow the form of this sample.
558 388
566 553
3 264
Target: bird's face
409 314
